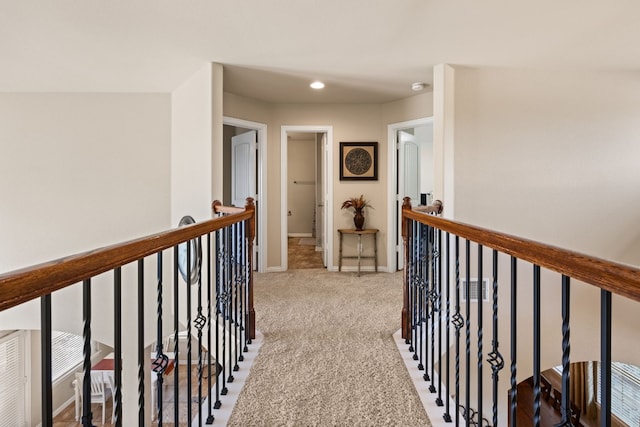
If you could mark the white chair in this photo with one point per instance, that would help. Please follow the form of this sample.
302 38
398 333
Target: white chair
112 386
98 392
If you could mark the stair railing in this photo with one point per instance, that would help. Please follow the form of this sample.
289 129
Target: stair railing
442 311
223 284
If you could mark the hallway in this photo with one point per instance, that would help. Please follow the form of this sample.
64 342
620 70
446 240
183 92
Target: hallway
302 253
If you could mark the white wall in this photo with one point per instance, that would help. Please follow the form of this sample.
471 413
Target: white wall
191 149
301 182
351 122
80 171
553 156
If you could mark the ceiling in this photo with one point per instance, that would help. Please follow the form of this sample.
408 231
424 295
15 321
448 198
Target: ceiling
364 50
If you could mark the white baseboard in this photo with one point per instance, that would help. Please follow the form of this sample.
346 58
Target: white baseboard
222 415
299 234
277 269
427 398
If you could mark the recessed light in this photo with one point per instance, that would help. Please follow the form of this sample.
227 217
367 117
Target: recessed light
317 85
418 86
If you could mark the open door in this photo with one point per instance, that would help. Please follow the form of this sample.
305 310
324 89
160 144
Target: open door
408 181
243 161
321 196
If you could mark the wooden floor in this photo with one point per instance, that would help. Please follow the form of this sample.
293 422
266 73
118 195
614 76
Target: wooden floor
67 416
303 256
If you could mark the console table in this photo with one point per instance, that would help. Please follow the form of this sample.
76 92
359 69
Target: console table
353 232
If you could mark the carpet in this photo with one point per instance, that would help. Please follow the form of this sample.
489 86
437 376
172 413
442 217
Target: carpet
328 356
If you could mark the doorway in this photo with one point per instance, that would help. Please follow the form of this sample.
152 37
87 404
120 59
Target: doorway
305 192
411 175
245 169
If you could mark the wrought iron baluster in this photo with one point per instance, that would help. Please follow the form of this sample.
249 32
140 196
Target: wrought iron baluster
495 358
47 370
566 352
431 273
605 358
117 346
438 267
87 417
457 321
447 414
141 356
176 345
468 329
231 287
218 302
199 323
161 360
237 283
188 332
536 345
480 308
513 404
210 417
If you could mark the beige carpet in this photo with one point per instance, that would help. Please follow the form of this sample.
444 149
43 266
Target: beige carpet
328 356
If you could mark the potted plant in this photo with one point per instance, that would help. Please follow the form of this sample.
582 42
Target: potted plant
358 204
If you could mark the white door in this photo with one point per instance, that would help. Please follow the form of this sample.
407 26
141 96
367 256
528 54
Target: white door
12 381
408 181
321 191
243 168
243 176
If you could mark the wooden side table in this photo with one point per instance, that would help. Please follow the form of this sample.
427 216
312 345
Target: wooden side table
367 231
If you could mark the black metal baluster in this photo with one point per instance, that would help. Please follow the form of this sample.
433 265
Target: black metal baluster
232 254
438 268
225 307
447 414
141 355
47 370
117 345
417 321
218 299
495 358
237 283
424 287
566 352
199 322
536 345
457 321
87 416
243 290
468 333
176 342
411 277
210 416
480 283
432 252
161 360
513 404
605 358
189 367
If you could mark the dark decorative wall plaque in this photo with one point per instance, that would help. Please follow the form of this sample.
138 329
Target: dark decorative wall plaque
359 161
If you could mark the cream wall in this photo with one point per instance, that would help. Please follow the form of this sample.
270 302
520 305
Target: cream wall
553 157
301 178
351 122
80 171
191 136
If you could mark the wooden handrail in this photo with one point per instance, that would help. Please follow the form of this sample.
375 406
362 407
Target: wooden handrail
620 279
20 286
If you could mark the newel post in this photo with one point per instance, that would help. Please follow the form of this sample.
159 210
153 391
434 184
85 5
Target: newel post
406 237
251 234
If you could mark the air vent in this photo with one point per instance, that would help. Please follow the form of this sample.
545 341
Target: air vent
474 290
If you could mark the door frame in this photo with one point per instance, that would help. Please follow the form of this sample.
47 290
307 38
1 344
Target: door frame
261 188
328 188
392 183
